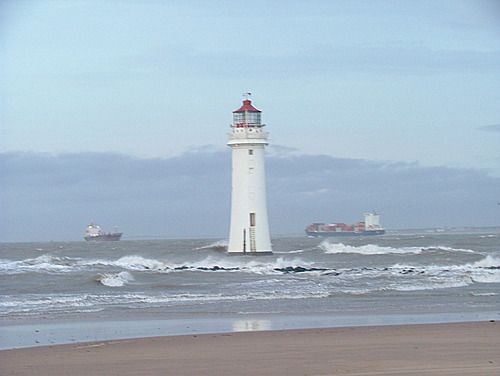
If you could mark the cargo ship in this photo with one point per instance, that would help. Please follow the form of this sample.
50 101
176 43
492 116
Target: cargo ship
94 233
371 226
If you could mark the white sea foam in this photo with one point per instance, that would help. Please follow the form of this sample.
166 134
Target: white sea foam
418 284
212 263
492 277
115 279
131 263
486 270
262 267
488 262
96 302
357 291
369 249
97 277
141 263
483 294
220 244
429 285
46 304
9 266
440 248
42 263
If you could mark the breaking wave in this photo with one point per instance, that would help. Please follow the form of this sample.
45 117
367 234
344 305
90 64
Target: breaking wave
371 249
483 294
197 276
486 270
368 249
490 262
42 263
114 279
209 264
220 245
212 263
97 302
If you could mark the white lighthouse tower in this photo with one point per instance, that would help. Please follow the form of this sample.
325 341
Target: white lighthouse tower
249 232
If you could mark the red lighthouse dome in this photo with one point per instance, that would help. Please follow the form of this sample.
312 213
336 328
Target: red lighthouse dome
247 116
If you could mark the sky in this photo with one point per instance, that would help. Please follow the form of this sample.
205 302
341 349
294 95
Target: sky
118 112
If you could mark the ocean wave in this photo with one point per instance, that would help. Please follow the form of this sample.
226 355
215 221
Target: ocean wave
46 304
420 284
372 249
43 263
209 264
369 249
141 263
483 294
489 261
429 285
220 245
131 262
486 270
41 305
447 249
114 279
486 278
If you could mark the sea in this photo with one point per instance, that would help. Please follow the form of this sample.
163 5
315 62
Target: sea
67 292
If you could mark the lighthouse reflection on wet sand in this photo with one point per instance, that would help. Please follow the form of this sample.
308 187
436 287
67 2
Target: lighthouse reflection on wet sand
249 230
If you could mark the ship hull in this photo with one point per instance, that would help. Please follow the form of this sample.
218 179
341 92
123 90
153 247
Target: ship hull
104 238
344 233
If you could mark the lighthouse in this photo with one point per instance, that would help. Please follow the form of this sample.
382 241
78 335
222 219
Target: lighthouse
249 230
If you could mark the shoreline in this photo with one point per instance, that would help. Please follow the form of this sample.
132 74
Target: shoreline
17 334
415 349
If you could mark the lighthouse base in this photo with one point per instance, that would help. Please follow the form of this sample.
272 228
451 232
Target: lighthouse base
258 253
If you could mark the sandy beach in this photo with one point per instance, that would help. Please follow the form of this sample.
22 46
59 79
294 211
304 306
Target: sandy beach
470 348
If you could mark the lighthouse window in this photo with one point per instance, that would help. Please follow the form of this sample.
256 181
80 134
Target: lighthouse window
252 219
250 152
239 119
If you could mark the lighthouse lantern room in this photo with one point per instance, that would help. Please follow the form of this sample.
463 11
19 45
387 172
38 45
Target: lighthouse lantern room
249 229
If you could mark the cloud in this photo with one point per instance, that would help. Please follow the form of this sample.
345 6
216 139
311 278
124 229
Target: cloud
52 197
490 128
406 195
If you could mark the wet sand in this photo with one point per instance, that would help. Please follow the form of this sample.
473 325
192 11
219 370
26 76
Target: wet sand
471 348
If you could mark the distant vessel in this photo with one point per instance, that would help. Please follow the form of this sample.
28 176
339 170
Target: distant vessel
371 226
94 233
